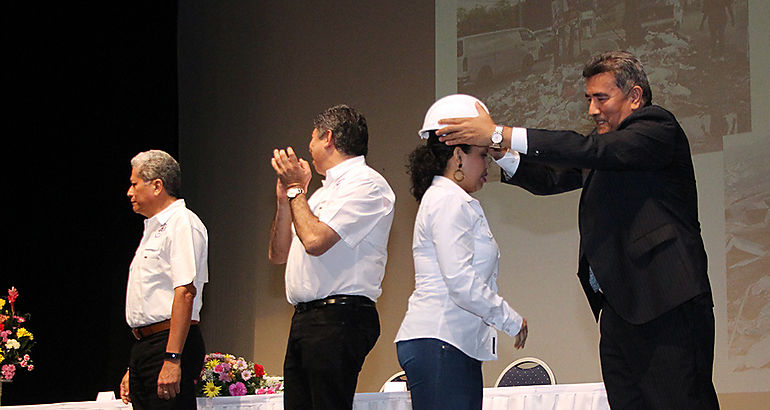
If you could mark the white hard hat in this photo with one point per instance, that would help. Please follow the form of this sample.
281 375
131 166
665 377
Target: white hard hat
451 106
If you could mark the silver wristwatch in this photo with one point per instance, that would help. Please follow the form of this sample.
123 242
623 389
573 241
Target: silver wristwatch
293 192
497 138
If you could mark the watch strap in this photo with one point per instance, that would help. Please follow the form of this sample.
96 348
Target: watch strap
172 356
497 137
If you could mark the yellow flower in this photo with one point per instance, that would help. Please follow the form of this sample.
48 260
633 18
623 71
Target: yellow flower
22 332
212 363
2 358
2 303
211 390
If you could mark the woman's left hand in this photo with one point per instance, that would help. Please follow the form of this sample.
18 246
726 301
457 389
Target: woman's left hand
521 337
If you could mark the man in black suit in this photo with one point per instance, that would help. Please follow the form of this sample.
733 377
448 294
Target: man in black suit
642 260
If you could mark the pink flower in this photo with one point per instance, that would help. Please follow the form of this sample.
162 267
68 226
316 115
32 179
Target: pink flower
241 364
237 389
246 375
261 391
224 377
30 367
8 371
20 319
12 294
223 367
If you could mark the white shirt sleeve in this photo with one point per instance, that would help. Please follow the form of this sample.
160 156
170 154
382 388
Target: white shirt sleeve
356 209
519 139
455 248
184 254
509 163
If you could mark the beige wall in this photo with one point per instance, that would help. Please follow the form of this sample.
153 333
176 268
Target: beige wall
743 401
251 77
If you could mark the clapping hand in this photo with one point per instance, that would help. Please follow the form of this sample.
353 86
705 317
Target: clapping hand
291 171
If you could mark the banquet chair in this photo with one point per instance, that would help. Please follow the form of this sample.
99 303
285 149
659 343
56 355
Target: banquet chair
397 382
526 371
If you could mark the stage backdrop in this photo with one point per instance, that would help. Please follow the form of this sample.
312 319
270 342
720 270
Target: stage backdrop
524 59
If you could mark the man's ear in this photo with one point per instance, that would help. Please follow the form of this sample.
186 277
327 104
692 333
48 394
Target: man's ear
635 95
327 139
157 186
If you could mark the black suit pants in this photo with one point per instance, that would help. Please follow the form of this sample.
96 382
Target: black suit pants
327 347
666 363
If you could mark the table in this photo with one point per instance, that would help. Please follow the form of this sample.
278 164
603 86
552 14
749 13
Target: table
583 396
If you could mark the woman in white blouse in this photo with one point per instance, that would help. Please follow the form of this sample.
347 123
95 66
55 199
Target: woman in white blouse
449 328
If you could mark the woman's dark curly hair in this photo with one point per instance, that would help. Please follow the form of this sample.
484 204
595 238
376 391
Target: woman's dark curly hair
429 160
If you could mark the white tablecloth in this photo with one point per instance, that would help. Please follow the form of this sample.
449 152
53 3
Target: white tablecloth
584 396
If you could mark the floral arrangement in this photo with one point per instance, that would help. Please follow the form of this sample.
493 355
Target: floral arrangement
15 340
227 375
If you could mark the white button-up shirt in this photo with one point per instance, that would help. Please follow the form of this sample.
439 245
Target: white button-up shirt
173 252
357 203
455 261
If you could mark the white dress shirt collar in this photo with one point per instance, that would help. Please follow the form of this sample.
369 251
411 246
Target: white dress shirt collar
335 172
163 216
446 183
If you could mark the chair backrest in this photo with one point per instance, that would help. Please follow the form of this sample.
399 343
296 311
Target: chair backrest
525 372
397 382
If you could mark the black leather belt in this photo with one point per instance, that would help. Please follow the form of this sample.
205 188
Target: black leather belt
334 300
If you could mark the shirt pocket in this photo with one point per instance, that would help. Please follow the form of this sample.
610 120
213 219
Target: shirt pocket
152 258
151 249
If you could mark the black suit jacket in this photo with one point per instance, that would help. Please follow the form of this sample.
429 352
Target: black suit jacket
638 212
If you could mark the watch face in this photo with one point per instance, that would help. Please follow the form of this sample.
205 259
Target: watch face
293 192
497 137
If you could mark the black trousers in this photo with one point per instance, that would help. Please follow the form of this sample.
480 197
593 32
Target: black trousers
147 360
326 349
663 364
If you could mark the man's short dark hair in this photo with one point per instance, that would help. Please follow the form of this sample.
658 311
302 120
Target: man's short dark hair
627 69
348 126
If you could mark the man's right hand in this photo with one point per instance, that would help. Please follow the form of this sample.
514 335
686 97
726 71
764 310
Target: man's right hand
468 130
292 171
124 392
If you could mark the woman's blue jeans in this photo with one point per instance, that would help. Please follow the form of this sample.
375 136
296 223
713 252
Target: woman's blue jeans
440 376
